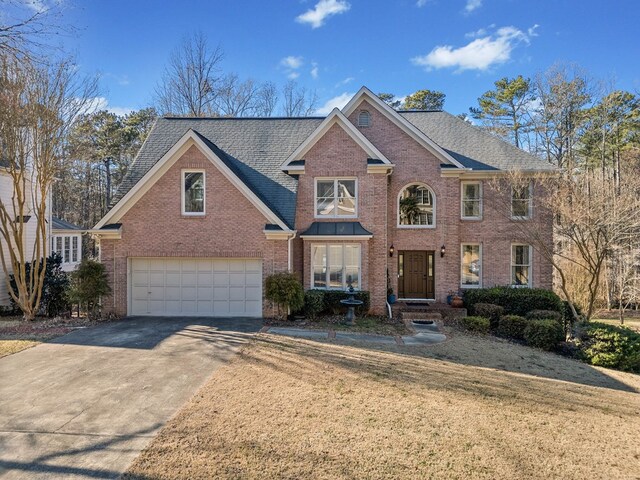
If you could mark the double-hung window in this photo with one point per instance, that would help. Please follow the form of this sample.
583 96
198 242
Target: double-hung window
335 266
68 247
471 265
521 201
471 200
193 192
521 265
336 197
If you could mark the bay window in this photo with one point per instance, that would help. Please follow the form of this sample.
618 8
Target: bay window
335 266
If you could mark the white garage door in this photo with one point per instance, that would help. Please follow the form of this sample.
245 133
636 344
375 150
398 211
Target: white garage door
196 287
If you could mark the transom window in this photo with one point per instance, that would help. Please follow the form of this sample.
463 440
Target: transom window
416 206
193 192
336 266
68 247
364 119
336 197
521 201
471 266
472 200
521 265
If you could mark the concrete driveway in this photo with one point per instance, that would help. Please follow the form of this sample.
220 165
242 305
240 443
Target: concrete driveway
85 404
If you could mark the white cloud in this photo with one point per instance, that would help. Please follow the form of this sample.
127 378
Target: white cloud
101 103
292 62
480 54
472 5
314 70
335 102
323 10
293 75
422 3
344 82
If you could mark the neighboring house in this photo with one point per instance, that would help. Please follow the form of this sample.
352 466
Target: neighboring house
366 196
66 241
30 227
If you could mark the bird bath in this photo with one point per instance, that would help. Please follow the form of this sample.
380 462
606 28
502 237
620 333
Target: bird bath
351 303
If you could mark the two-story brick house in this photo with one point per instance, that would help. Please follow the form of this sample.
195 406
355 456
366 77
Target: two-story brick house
366 196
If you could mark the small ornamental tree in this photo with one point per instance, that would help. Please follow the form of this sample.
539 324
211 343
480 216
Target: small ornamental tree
285 290
88 283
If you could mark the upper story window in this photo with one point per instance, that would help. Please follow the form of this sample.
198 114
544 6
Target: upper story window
471 200
364 119
336 197
521 265
193 192
521 201
416 206
68 247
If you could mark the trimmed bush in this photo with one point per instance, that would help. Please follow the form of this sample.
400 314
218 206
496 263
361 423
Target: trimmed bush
332 301
611 346
490 311
89 282
285 290
512 326
544 315
567 313
313 303
475 324
515 301
544 333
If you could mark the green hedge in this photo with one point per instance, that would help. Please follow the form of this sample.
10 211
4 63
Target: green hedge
490 311
512 326
545 333
515 301
611 346
331 301
313 303
544 315
475 324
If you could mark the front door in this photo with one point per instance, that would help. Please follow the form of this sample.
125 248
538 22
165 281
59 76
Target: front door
416 274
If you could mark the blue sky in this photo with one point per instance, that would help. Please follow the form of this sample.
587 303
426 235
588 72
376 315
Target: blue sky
335 46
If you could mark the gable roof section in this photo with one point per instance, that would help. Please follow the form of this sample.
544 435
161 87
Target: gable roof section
401 122
214 154
254 148
336 117
59 224
473 147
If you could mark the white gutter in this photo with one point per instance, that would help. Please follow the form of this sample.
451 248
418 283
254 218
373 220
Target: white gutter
289 252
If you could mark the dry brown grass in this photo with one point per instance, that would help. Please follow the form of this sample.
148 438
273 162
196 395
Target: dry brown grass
468 408
8 347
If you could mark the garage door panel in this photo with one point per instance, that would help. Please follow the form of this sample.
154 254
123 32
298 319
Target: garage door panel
196 286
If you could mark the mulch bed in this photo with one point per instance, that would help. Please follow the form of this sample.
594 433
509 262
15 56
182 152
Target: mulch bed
14 327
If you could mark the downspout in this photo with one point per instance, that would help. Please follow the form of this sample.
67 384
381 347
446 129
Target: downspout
289 251
386 236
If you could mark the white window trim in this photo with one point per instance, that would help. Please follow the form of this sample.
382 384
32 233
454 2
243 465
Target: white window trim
530 205
344 282
204 193
462 215
62 236
335 180
511 265
479 245
435 203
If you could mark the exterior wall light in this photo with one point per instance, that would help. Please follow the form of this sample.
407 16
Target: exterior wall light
442 251
391 250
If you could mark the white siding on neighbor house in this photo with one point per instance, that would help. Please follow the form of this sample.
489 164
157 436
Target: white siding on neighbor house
6 191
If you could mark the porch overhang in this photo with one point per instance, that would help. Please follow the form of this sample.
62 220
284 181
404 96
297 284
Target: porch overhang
336 231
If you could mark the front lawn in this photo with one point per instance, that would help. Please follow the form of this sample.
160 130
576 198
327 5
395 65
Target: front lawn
472 407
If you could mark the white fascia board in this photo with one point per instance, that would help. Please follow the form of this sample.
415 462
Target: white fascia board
400 122
335 117
105 234
162 166
279 235
328 238
380 168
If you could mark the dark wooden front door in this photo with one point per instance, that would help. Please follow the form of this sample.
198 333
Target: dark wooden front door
416 274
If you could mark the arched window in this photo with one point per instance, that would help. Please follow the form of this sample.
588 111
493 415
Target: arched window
417 206
364 119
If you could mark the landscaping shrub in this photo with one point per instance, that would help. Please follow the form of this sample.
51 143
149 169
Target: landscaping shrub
544 315
567 313
543 333
515 301
611 346
332 301
490 311
313 303
89 282
53 301
285 290
512 326
475 324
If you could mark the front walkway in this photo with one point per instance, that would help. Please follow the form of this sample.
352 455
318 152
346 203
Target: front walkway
85 404
425 335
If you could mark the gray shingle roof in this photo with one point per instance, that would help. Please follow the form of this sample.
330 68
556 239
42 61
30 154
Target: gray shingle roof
471 146
59 224
253 148
336 228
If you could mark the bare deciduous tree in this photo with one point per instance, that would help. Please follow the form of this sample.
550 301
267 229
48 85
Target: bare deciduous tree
190 83
297 101
39 105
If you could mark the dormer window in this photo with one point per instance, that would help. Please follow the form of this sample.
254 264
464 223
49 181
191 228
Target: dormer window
364 119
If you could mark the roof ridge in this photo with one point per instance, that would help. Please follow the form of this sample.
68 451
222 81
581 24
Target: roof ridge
173 117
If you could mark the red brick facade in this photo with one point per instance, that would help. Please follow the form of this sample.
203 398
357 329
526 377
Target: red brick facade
233 227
